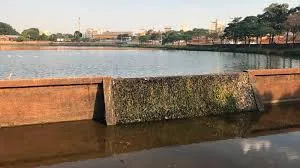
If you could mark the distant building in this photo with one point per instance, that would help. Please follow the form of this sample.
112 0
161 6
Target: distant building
180 43
168 28
100 31
184 28
277 40
200 40
216 27
141 32
110 35
90 33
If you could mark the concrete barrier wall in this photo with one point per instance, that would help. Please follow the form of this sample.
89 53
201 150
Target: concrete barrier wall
119 101
149 99
129 100
37 101
277 85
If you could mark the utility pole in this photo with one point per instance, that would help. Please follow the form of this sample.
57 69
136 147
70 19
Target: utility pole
79 24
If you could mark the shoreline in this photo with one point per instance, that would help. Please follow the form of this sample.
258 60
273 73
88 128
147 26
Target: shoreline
280 49
48 47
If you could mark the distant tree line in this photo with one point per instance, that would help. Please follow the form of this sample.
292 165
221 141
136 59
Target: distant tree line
34 34
172 36
275 20
6 29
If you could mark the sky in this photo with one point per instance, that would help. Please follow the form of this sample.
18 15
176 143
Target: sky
125 15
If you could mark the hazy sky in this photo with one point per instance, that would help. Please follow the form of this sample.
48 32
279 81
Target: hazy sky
61 15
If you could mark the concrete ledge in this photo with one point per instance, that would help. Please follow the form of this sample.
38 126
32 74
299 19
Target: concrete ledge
49 82
271 72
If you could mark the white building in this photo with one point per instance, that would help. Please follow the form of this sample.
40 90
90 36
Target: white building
216 27
184 28
90 33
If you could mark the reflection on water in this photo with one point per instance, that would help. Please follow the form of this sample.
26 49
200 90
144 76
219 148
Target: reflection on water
130 63
258 145
249 139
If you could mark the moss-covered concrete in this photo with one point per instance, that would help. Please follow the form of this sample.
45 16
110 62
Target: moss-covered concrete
159 98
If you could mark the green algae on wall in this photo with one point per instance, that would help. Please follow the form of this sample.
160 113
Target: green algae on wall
159 98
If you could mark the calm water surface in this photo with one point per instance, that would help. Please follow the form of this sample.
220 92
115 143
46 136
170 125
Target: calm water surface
60 62
260 140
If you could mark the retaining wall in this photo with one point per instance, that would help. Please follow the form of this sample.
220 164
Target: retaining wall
129 100
277 85
149 99
39 101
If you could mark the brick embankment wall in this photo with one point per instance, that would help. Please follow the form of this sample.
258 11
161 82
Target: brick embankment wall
277 85
149 99
38 101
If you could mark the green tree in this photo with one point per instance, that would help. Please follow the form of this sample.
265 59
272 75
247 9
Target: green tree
20 39
294 10
200 32
172 36
122 37
52 37
69 36
31 34
6 29
149 32
263 30
77 35
276 15
187 36
155 36
43 37
250 26
143 39
59 35
293 24
234 30
213 36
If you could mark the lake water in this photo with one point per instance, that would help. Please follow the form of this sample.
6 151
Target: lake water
259 140
77 62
